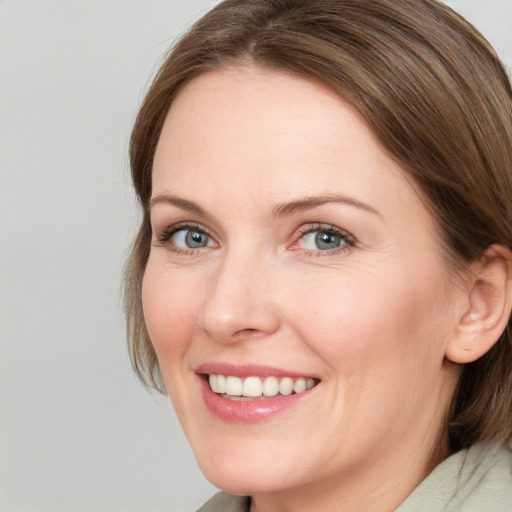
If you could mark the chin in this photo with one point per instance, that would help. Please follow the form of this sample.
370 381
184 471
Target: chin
244 475
246 485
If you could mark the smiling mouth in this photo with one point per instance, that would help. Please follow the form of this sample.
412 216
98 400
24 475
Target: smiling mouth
258 388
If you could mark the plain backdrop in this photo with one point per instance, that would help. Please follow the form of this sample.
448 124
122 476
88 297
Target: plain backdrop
77 431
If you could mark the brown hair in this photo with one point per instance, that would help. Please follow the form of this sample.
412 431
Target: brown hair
434 93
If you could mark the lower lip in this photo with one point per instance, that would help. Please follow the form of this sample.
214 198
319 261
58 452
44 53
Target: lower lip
250 411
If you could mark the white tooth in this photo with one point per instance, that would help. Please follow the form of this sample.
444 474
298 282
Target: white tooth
233 386
270 386
299 386
221 384
212 379
286 386
252 386
310 383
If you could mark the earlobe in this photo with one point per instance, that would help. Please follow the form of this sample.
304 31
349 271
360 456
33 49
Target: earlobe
490 300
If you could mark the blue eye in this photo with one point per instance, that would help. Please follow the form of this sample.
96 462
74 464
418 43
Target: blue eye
183 237
190 239
322 239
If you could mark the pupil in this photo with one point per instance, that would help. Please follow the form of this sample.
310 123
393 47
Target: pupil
195 239
327 241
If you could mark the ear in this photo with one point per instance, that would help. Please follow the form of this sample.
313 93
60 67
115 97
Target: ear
489 289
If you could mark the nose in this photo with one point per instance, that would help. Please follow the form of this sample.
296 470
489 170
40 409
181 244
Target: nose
240 301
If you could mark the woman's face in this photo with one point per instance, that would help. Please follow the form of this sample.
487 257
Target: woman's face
289 248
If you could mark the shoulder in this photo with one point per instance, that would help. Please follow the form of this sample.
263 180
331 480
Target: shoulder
478 478
224 502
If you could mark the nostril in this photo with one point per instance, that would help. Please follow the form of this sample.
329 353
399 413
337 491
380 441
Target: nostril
248 333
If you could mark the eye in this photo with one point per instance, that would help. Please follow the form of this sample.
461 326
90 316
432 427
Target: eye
190 239
321 238
185 237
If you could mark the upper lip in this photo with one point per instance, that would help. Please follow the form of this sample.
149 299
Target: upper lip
247 370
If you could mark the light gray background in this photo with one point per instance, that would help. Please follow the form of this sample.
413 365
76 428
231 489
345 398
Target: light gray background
78 432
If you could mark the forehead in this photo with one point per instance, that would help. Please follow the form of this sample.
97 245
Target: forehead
248 114
255 136
261 118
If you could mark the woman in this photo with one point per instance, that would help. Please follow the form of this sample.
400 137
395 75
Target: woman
322 278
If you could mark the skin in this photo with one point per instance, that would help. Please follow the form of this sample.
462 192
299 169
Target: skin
372 319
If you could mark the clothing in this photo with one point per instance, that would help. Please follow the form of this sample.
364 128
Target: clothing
224 502
477 479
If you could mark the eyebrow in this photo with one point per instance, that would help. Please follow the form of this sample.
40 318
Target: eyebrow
280 210
183 204
306 203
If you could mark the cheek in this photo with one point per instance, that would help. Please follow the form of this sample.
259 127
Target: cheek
169 308
384 346
368 318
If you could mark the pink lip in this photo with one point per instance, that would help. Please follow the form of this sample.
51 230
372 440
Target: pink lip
243 371
251 411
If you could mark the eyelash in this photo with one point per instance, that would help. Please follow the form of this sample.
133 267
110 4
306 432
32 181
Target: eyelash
346 238
169 231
